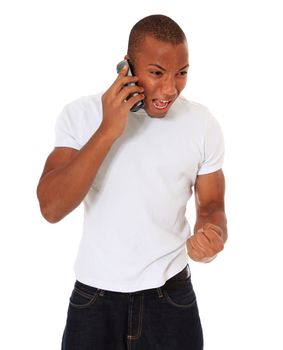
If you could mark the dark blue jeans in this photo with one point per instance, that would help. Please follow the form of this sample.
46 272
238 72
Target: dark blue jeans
164 318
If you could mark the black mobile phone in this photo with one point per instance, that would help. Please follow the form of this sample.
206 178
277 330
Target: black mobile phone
120 66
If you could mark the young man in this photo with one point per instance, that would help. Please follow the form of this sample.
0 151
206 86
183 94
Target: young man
135 172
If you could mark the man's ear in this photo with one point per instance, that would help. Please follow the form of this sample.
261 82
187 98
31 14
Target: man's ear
126 57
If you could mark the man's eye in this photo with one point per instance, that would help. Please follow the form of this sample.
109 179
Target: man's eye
184 72
156 72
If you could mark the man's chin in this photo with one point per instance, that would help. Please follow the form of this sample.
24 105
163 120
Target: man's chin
155 112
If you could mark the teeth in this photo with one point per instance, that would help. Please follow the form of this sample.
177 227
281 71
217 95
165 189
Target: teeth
160 104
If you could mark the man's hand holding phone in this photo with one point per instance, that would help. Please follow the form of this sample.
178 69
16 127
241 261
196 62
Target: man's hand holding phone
117 101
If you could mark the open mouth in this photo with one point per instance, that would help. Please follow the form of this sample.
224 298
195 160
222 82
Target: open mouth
161 104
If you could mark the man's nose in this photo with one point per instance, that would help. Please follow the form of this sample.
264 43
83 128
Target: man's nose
169 88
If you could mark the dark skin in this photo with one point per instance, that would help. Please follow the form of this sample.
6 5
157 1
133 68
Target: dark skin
161 72
210 232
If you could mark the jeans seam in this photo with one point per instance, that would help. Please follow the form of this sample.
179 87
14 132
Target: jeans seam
91 302
83 293
160 292
170 301
139 331
130 318
140 320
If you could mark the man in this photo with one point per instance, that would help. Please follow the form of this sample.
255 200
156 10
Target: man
135 172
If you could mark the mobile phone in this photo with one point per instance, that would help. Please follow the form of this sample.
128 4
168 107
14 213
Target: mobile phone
120 66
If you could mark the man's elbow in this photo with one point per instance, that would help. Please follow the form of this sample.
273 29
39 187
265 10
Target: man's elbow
47 210
50 215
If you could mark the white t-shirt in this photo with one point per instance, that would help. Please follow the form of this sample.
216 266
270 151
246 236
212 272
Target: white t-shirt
135 229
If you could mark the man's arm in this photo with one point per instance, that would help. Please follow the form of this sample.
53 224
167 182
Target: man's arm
69 173
210 231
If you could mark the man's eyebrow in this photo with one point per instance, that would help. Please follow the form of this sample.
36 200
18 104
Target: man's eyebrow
186 66
158 66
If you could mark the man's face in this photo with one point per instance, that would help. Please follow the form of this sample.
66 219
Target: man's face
162 71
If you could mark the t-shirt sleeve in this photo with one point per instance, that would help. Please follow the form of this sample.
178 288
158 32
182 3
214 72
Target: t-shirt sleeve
213 148
67 127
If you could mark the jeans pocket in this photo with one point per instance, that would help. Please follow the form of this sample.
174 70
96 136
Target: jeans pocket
80 299
184 297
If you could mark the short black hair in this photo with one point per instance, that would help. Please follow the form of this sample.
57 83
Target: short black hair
159 27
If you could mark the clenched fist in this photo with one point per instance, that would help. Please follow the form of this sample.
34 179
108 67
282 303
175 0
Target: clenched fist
204 245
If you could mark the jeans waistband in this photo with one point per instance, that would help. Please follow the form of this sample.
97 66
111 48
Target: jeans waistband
178 280
174 282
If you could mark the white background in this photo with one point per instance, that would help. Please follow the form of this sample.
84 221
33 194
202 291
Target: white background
53 52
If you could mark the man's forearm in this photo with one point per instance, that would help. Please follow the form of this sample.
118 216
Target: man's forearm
61 190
